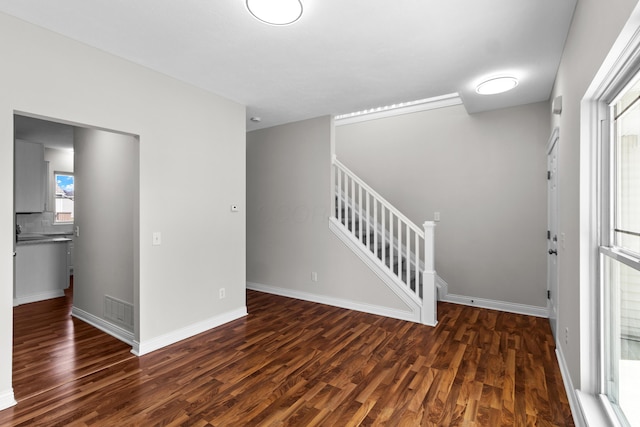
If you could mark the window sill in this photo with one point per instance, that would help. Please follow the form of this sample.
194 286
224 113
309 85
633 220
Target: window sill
595 412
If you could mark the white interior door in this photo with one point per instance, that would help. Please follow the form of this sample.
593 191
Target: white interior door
552 227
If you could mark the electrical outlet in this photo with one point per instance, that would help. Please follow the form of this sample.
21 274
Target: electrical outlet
222 294
566 335
436 216
314 276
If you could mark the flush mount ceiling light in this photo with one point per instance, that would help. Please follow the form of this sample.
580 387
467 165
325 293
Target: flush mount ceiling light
497 85
276 12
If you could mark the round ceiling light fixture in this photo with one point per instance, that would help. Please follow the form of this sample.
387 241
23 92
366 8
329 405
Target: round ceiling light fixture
276 12
496 85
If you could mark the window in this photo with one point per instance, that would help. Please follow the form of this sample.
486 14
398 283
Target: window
620 255
64 202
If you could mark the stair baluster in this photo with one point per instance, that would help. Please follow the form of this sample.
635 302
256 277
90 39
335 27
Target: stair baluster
386 234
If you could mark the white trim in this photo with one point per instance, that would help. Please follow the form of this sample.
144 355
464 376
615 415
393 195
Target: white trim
574 402
509 307
7 399
594 412
153 344
356 207
555 135
616 69
442 287
375 264
57 293
106 327
377 227
448 100
552 311
336 302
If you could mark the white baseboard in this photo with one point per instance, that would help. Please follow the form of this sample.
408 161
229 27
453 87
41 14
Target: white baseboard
335 302
142 348
105 326
38 297
509 307
574 404
442 287
7 399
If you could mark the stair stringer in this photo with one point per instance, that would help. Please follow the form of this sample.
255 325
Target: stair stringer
413 303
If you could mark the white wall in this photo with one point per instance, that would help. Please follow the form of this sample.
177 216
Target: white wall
596 24
486 175
192 151
288 209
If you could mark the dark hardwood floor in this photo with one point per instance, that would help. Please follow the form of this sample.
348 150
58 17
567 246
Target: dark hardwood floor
292 363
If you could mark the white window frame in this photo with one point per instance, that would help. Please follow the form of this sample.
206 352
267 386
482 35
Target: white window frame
55 208
620 66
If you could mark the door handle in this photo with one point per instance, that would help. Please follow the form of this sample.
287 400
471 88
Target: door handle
553 252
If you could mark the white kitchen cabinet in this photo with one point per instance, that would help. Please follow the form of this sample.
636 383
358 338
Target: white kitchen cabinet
41 271
29 177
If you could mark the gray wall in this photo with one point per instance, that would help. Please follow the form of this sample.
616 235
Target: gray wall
107 195
288 206
596 24
192 168
484 173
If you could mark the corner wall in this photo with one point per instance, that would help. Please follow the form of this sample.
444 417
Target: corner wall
484 173
192 168
288 209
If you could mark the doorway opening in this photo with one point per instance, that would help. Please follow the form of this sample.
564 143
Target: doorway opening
84 247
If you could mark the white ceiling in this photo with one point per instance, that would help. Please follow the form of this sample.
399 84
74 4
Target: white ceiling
341 56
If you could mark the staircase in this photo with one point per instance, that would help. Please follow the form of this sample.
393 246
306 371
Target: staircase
397 250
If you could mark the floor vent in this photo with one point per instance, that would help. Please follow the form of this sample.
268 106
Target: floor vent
118 311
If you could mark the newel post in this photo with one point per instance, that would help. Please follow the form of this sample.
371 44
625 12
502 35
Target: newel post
429 289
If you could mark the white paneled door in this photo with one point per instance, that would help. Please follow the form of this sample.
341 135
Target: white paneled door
552 230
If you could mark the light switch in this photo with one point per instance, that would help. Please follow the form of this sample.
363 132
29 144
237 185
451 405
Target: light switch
436 216
157 238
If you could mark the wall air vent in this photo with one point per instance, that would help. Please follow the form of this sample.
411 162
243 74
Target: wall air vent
119 312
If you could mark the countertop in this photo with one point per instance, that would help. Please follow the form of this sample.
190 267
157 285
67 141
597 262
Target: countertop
35 239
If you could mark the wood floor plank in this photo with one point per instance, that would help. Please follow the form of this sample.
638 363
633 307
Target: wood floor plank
292 363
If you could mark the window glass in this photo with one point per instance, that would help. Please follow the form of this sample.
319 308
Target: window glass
627 180
630 96
622 342
620 263
64 205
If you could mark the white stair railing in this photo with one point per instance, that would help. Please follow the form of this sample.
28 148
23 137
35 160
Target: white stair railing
405 251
